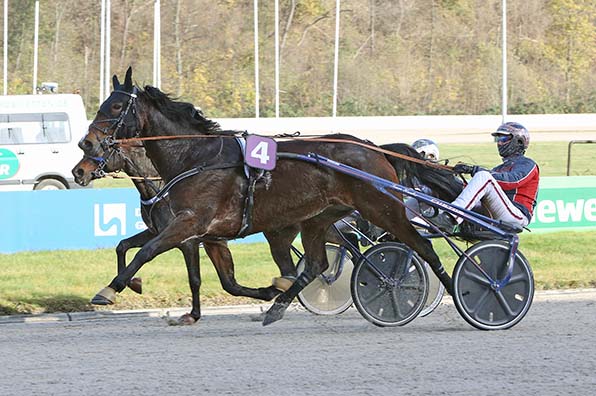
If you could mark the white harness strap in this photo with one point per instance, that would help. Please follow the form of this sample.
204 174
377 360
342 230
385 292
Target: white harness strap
242 142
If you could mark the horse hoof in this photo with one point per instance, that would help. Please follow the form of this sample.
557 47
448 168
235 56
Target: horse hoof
275 313
186 320
136 285
106 296
283 283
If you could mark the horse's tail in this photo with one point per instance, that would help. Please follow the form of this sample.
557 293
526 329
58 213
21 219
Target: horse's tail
441 181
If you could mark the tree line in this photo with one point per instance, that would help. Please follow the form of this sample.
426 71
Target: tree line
397 57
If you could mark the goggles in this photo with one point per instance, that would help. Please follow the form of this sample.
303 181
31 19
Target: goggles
503 138
429 156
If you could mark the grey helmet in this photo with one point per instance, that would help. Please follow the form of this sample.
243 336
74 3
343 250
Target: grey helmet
512 138
427 148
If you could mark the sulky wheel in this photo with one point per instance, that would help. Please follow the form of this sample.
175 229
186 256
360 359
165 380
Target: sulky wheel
329 293
389 284
487 306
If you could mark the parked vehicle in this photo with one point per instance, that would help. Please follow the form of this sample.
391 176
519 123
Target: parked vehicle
38 140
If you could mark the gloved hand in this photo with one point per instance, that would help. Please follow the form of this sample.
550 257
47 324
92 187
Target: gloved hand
467 169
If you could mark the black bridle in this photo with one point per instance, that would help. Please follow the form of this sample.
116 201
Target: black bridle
107 142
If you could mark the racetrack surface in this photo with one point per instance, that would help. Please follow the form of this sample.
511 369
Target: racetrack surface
551 352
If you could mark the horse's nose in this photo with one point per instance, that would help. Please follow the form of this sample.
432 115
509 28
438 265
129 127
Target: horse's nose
78 172
79 175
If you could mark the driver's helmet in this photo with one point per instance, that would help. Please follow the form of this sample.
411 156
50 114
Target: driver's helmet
427 148
512 138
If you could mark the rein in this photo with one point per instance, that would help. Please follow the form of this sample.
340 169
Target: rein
291 137
118 175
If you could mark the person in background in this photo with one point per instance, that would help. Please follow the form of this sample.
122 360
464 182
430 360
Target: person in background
429 151
427 148
509 190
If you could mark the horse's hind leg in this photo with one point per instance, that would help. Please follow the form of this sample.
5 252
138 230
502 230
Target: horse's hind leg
190 250
280 243
222 260
313 240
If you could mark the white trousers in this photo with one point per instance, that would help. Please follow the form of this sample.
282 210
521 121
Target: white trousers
483 188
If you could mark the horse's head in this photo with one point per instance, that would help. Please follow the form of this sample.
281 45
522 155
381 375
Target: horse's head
115 119
131 159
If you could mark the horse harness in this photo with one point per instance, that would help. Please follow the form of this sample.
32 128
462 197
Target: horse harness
110 145
253 175
128 118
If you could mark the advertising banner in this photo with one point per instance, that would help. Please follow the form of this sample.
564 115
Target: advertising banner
565 203
100 218
70 219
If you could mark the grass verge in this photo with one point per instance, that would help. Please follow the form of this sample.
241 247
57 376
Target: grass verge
64 281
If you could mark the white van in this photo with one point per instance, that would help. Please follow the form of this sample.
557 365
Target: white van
38 141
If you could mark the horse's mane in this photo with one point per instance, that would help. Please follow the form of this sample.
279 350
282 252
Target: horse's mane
439 180
182 111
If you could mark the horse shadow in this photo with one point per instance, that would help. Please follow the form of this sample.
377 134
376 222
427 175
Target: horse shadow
61 303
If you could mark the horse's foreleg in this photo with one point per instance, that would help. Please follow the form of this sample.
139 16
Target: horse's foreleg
222 260
180 229
137 240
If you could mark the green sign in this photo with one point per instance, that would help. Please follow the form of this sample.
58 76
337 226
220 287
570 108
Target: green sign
565 202
9 164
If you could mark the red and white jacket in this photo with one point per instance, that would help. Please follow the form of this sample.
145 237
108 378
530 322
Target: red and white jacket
518 176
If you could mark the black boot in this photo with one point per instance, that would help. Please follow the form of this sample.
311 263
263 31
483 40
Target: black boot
445 222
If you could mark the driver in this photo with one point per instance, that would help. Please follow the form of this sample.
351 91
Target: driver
509 190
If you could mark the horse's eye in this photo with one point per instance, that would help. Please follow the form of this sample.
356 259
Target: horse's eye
117 107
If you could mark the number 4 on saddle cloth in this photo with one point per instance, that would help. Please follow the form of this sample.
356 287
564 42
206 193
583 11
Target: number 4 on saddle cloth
260 154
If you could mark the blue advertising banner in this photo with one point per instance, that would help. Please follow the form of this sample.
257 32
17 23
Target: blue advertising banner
100 218
71 219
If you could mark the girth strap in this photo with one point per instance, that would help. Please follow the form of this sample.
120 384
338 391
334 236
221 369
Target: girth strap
249 202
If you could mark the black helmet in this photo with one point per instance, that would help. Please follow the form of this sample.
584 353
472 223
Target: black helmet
512 138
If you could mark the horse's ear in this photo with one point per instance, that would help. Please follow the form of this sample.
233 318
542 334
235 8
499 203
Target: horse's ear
128 79
115 82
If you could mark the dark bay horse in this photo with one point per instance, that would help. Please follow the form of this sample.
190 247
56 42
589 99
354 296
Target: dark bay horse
133 160
209 204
